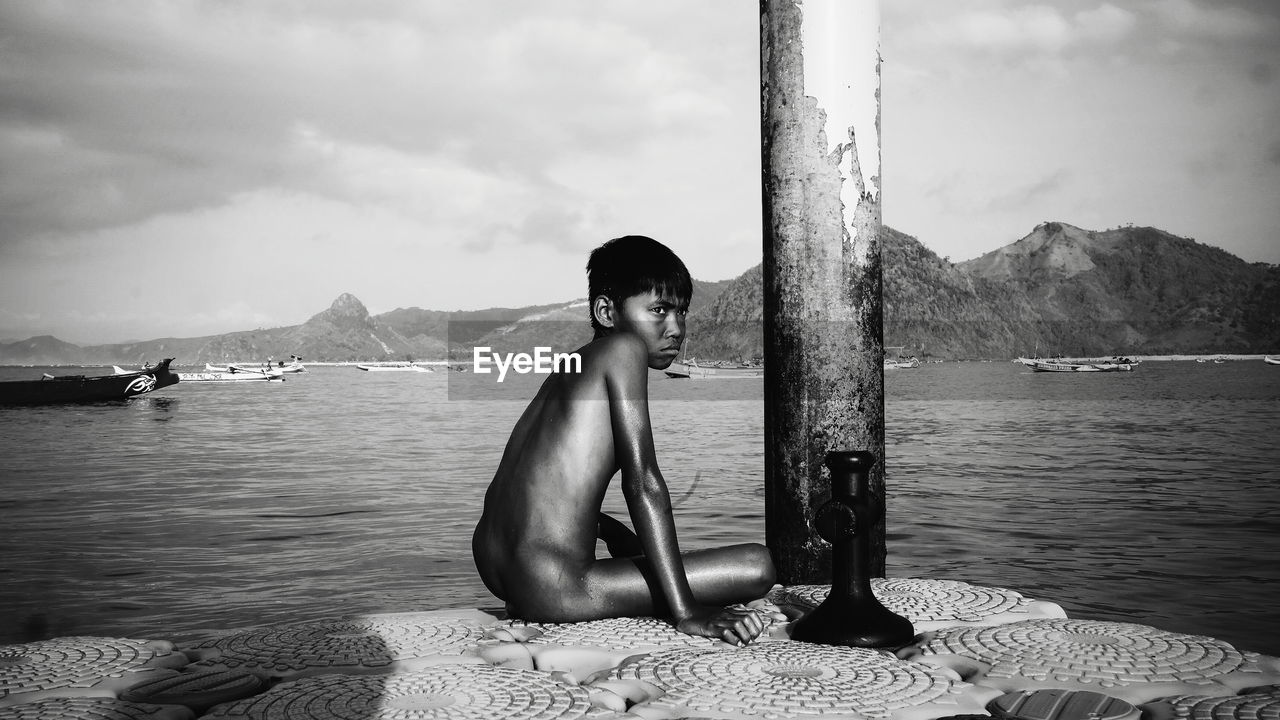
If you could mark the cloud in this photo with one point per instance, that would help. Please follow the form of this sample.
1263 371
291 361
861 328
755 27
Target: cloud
1219 21
1105 24
113 113
1027 27
1031 192
1009 29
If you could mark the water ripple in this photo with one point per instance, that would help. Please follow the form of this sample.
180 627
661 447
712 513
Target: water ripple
1150 497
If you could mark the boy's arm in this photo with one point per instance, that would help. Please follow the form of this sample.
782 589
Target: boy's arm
649 502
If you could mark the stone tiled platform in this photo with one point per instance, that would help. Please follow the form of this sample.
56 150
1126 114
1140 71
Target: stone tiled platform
980 652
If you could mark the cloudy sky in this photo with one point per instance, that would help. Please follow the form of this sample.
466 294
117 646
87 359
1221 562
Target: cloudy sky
190 167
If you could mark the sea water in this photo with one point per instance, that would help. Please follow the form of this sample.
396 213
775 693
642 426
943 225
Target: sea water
1151 496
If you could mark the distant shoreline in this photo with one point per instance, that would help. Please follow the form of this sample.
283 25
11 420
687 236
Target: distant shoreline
1164 358
450 363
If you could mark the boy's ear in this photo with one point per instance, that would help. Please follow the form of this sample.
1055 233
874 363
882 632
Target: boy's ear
602 309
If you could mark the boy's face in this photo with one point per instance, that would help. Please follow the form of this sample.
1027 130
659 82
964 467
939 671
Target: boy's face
658 319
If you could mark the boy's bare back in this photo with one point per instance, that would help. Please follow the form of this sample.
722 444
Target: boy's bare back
535 542
537 537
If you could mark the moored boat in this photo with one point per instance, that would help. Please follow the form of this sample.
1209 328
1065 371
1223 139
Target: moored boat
1270 360
896 360
209 376
398 367
293 366
1059 366
692 369
248 370
92 388
268 369
1117 364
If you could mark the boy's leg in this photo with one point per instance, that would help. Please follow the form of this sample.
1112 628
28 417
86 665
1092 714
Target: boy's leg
718 577
619 538
733 574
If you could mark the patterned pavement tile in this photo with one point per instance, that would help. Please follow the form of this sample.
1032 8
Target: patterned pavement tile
362 644
198 690
1133 662
441 692
1061 705
786 679
641 634
93 709
81 667
1248 706
933 604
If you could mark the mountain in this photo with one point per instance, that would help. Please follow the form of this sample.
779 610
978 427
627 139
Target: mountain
1059 289
562 328
41 350
1137 290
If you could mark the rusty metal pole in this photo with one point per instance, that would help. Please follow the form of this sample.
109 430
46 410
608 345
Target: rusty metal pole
824 328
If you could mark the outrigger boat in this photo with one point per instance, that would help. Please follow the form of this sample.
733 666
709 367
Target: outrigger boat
1114 365
400 367
231 373
93 388
257 369
718 371
269 369
229 376
294 366
898 361
241 370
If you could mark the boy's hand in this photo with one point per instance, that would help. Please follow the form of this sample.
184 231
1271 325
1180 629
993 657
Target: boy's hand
736 624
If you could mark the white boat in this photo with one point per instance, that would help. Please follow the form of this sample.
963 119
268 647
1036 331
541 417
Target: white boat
282 368
242 370
398 367
1059 366
1270 360
229 377
293 366
692 369
895 360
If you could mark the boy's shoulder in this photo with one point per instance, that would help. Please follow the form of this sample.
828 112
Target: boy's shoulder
621 356
618 348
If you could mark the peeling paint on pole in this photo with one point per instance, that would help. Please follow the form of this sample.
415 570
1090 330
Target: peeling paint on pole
824 346
841 69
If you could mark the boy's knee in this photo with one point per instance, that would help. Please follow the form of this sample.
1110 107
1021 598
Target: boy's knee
762 562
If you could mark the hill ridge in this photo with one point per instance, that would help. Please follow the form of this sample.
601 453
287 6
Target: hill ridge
1060 288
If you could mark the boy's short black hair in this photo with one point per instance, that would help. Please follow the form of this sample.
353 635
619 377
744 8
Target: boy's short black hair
631 265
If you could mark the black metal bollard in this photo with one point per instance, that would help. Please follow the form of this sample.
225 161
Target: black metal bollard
851 615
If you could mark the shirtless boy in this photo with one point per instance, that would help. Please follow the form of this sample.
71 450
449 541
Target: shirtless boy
535 543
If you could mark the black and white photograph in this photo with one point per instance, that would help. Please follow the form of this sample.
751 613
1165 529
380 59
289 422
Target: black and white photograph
885 359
